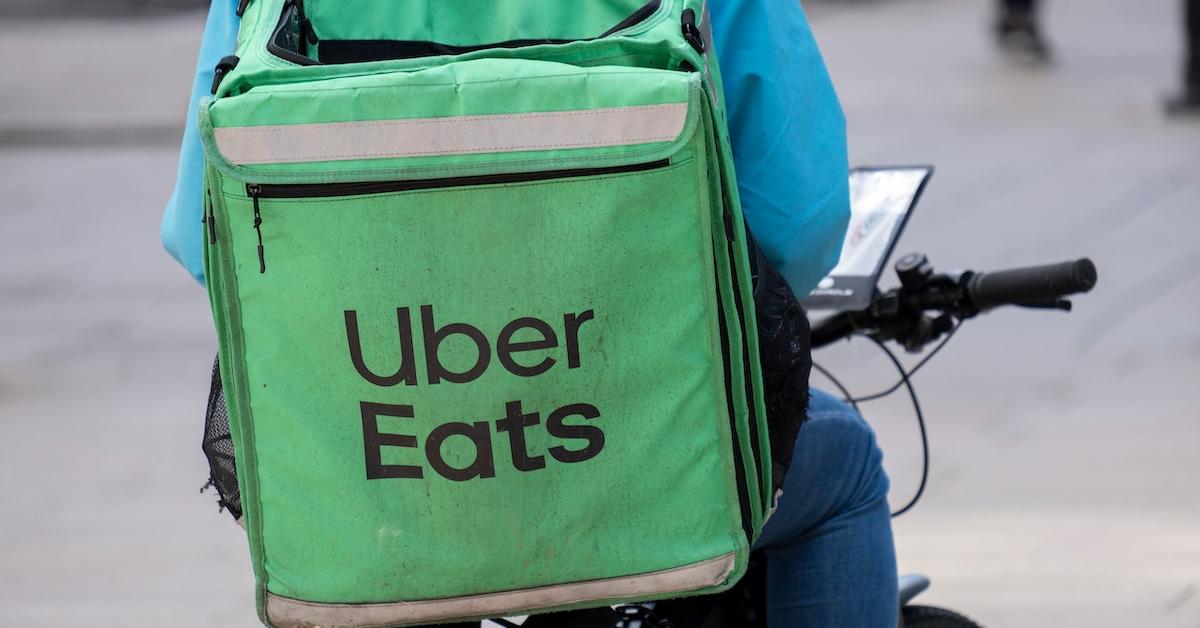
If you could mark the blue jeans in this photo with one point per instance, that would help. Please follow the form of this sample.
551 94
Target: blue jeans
830 558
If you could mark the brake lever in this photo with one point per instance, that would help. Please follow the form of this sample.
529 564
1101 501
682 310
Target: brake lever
921 334
926 331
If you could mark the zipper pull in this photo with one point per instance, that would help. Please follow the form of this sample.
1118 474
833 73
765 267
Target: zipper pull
241 7
691 33
210 221
254 190
224 66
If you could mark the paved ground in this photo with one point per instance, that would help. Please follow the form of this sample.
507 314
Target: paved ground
1066 480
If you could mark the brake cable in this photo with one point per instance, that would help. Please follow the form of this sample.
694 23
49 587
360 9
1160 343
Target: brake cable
904 375
912 394
905 381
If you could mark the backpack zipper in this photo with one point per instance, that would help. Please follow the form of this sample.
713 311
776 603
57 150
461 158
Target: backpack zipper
361 188
258 191
746 368
637 17
255 191
336 51
739 465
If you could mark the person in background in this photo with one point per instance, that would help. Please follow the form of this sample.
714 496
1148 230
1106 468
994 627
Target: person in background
1018 31
1187 101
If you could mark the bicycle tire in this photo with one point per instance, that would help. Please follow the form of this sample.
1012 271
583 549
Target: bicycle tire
934 617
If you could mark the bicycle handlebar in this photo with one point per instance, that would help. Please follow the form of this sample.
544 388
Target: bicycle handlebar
901 313
1035 284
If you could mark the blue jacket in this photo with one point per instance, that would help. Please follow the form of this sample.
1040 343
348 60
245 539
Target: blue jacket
785 122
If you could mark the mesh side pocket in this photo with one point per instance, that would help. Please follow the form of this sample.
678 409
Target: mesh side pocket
784 347
218 447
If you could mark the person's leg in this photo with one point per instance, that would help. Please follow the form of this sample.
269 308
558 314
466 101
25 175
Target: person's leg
1018 30
829 552
1187 101
1192 17
1026 6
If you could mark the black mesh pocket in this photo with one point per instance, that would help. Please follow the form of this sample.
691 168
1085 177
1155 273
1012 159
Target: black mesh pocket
218 447
785 353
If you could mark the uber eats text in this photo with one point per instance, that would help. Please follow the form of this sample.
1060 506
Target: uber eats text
578 440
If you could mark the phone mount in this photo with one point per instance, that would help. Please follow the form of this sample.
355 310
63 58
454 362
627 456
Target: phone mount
881 200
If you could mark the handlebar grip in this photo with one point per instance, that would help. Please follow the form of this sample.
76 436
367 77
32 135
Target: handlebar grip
1031 285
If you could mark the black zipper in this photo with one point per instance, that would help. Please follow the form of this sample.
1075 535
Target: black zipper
637 17
739 466
257 191
333 51
746 368
360 188
730 240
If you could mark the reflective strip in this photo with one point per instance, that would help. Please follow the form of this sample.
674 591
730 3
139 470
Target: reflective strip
459 135
774 506
288 613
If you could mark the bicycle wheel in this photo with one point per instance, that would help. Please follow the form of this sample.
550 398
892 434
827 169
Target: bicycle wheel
934 617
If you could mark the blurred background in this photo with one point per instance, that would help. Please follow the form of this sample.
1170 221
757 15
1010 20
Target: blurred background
1065 487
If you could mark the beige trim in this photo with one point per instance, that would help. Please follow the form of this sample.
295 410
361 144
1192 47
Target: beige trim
457 135
288 613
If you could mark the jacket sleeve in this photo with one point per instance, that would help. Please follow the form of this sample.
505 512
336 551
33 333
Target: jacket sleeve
181 227
788 134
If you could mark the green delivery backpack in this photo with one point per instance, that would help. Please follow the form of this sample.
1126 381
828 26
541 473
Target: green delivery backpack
480 280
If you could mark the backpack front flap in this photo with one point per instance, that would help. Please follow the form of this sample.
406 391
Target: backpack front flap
484 339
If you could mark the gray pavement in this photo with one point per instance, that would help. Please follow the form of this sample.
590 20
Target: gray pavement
1066 481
